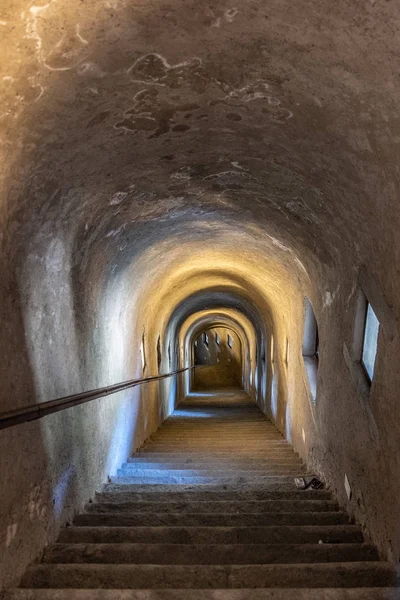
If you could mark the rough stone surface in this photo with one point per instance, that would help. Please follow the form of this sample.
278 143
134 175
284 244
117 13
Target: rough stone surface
127 555
168 159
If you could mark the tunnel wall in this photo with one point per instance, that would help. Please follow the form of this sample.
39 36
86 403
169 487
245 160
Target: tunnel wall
167 159
348 433
67 342
342 432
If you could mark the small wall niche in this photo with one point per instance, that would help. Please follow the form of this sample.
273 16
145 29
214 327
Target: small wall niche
373 315
143 352
310 348
159 356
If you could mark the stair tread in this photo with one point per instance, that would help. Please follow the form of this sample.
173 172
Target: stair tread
208 509
221 506
213 534
336 574
208 554
323 593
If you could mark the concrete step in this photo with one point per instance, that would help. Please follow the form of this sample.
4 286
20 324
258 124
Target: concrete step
273 534
192 594
352 574
211 519
123 493
208 554
209 507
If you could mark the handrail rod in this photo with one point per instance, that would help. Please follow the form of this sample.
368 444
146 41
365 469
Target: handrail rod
37 411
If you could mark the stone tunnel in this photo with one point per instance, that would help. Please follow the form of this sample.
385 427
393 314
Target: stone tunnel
176 168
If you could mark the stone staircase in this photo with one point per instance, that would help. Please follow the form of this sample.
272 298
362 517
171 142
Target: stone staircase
208 510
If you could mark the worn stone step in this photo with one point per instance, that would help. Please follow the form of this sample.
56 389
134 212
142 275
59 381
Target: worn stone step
228 480
215 466
195 414
222 506
113 492
216 431
117 493
149 463
217 443
211 424
196 594
205 432
212 519
205 416
217 428
352 574
229 437
241 450
250 441
247 409
278 484
273 534
214 450
215 424
219 439
262 432
212 455
208 554
129 469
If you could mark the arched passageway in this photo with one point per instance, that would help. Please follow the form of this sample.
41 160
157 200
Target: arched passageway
168 168
218 360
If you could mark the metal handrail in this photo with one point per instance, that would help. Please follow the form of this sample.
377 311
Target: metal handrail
37 411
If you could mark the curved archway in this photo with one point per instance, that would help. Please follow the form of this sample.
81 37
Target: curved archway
217 359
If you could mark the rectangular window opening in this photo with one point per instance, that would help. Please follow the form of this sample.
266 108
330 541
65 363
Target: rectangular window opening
230 341
370 342
217 339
